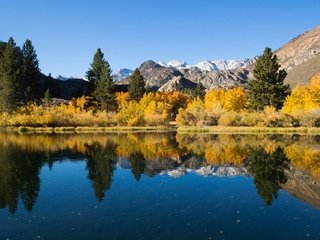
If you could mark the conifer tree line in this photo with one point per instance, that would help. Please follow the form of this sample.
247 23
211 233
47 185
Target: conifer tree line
20 80
19 75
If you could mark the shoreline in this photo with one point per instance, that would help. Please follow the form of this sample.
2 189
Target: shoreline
182 130
78 130
250 130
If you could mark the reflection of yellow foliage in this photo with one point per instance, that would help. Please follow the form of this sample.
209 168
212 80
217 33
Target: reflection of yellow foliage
305 157
215 149
214 154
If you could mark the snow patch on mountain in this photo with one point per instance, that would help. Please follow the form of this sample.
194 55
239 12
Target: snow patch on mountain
177 64
122 73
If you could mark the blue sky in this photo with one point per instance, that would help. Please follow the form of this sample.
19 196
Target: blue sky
66 33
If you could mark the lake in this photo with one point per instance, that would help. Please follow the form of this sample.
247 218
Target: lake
159 186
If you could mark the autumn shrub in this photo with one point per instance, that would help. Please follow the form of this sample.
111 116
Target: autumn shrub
311 119
251 119
156 113
131 115
230 119
73 114
153 109
193 115
273 118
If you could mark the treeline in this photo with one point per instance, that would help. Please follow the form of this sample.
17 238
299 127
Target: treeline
264 101
19 75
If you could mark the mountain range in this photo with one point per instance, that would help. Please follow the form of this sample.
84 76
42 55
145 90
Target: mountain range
300 57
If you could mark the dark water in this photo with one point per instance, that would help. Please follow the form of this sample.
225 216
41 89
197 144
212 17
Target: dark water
159 186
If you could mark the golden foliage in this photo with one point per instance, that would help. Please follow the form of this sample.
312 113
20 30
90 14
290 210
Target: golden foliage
214 101
303 99
235 99
73 114
193 115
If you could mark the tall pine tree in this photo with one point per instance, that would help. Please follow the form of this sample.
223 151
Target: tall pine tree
105 88
137 86
11 70
95 71
31 72
267 87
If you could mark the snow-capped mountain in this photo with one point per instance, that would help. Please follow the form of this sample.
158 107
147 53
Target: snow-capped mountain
177 64
207 66
122 73
63 78
215 65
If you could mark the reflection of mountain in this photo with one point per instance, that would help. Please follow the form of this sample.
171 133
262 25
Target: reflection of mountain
290 162
301 185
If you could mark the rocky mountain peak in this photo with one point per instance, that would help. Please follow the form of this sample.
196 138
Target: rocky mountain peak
149 64
300 49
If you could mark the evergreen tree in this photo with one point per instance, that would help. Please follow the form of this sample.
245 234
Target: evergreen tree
95 72
267 88
10 77
53 85
104 90
136 86
2 47
200 91
47 96
31 73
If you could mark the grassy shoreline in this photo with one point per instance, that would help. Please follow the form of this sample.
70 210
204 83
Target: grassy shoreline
209 129
75 130
251 130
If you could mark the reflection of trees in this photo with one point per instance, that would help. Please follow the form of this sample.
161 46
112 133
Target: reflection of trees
21 158
267 170
19 177
101 163
138 164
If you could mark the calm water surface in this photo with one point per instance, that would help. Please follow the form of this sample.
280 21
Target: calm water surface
159 186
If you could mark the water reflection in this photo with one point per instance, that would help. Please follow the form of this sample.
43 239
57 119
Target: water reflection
19 177
101 161
269 159
267 170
